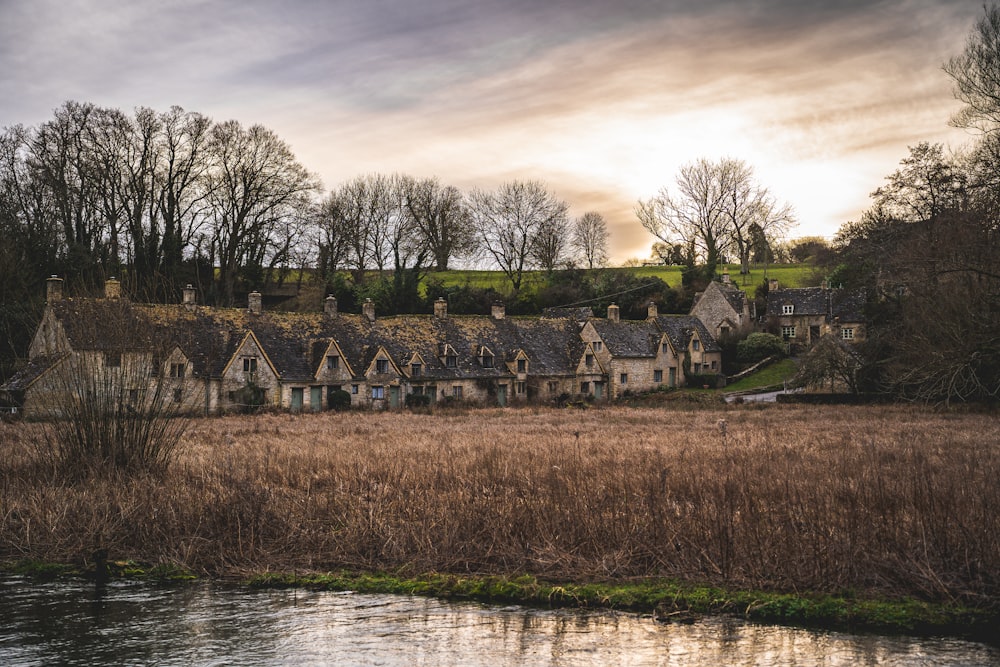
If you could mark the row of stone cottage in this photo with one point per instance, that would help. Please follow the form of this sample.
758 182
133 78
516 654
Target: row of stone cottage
299 361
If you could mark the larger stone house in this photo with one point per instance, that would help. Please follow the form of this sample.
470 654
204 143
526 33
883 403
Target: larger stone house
724 309
216 360
802 315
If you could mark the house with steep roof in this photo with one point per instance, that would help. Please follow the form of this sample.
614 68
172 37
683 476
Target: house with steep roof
802 315
724 309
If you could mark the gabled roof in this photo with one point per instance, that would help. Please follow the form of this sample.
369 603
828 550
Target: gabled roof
627 338
830 303
24 378
680 328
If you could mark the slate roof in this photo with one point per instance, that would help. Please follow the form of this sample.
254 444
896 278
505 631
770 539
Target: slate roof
679 329
845 304
628 338
734 295
22 379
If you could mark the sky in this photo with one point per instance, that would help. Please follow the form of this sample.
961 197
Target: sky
602 100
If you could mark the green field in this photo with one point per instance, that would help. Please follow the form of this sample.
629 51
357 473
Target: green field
788 275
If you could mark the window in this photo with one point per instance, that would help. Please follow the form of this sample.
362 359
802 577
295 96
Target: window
584 387
695 344
176 370
553 387
521 387
113 359
657 376
723 331
598 346
381 365
715 365
665 348
522 365
787 309
456 391
847 333
787 332
378 392
249 364
418 391
415 369
451 361
354 389
623 378
178 394
487 361
590 360
332 362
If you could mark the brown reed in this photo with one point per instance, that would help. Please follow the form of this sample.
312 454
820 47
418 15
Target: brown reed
893 501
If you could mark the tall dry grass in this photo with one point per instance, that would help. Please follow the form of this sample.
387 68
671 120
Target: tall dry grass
888 500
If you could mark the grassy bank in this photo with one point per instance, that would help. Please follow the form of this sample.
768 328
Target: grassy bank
849 504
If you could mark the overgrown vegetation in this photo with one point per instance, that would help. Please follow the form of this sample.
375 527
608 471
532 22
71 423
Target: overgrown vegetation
858 502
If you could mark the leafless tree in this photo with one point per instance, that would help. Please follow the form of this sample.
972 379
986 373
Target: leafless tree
509 221
590 239
259 196
975 73
441 218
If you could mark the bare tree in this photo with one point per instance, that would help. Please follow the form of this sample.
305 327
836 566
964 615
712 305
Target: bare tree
508 223
590 239
258 189
975 73
440 216
694 215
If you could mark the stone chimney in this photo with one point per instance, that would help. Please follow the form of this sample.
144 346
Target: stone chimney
612 313
498 311
368 310
254 305
772 285
112 288
651 311
441 308
725 277
330 306
189 296
53 289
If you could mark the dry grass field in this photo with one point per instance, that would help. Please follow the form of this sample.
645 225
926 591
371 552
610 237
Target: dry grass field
890 501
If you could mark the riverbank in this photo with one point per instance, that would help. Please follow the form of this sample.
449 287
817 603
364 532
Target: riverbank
854 504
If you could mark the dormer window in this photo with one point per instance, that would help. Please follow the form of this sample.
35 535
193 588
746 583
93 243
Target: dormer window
598 346
788 309
332 362
522 365
177 370
487 359
695 344
415 370
665 348
451 361
249 364
381 365
589 360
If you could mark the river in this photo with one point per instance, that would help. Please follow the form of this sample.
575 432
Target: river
128 623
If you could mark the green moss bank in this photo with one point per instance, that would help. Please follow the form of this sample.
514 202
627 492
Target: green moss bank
666 601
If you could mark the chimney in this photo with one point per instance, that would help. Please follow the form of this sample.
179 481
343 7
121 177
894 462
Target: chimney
330 306
112 288
498 311
189 296
651 311
368 310
53 289
254 306
612 313
772 285
725 277
441 308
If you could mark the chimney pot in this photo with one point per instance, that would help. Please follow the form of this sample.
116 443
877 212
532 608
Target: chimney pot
498 311
725 277
53 289
330 306
651 310
112 288
368 310
254 303
613 313
441 308
189 296
772 285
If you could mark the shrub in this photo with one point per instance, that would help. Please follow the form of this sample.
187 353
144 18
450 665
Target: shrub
759 346
418 401
339 400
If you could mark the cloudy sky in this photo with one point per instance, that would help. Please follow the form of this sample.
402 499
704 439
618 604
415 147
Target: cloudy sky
603 100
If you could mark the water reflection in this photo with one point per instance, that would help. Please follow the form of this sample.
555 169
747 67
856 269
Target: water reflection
128 623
